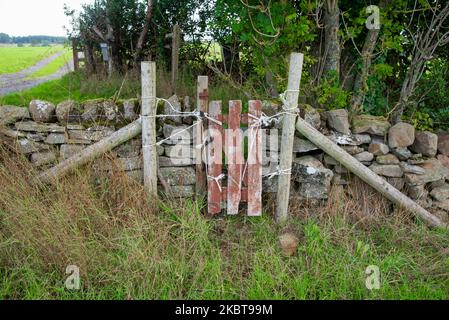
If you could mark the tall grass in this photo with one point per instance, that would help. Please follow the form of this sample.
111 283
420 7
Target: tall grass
128 246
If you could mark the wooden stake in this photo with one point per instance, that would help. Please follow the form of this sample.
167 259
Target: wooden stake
288 134
202 105
214 160
176 44
366 174
234 146
149 107
254 169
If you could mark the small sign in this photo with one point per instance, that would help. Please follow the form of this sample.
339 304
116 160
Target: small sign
105 51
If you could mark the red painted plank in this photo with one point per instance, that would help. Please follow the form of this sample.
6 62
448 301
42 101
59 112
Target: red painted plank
254 166
234 145
214 160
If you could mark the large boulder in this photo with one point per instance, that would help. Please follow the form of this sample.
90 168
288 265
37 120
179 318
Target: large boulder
426 143
443 143
42 111
370 124
12 114
65 110
338 120
313 178
173 107
401 135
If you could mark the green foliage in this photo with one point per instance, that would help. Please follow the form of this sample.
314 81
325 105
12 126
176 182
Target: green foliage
422 121
330 94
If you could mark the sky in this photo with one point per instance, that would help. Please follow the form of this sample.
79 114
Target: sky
35 17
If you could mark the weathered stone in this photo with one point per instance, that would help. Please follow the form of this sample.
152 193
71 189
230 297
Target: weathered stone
364 157
173 162
443 205
30 126
43 158
415 162
136 175
443 143
12 114
178 132
303 146
177 176
180 151
362 138
441 214
182 191
387 159
160 150
417 192
426 203
408 168
173 107
444 160
378 149
42 111
401 135
129 109
90 135
129 149
402 153
289 244
441 193
90 110
55 138
338 120
188 107
109 110
36 137
398 183
310 115
435 171
313 178
340 169
370 124
6 132
69 150
329 161
26 146
390 170
129 164
64 110
353 150
425 143
437 184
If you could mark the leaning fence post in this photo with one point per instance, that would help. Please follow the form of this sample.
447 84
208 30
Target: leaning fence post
288 135
149 107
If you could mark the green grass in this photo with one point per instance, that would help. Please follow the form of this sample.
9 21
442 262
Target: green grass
131 248
53 66
15 59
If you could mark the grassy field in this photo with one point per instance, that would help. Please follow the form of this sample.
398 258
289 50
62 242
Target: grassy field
129 247
15 59
53 66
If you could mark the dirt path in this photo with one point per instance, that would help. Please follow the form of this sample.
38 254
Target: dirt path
18 81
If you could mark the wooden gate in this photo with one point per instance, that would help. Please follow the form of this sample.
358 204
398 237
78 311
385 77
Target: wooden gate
242 182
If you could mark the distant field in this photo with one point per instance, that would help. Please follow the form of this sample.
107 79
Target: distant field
15 59
53 66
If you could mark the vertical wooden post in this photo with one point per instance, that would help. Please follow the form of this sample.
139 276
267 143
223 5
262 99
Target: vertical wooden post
254 171
234 146
176 43
288 134
149 107
214 158
202 99
76 62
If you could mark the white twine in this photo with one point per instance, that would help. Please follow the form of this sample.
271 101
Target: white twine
283 98
217 180
278 172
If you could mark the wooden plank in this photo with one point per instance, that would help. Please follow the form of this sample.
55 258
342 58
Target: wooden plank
214 160
234 145
149 107
244 197
202 105
254 169
288 133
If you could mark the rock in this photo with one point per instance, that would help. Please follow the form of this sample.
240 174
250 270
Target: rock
136 175
443 143
426 203
36 137
353 150
398 183
26 146
180 151
441 214
55 138
441 193
402 153
390 170
437 184
43 158
170 131
338 120
90 135
289 244
378 149
12 114
69 150
310 115
426 143
387 159
417 192
129 164
109 110
129 109
435 171
329 161
182 191
42 111
173 162
444 160
339 181
364 157
9 133
443 205
408 168
370 124
362 138
303 146
129 149
401 135
313 178
188 107
160 150
30 126
90 110
179 176
64 110
340 169
173 107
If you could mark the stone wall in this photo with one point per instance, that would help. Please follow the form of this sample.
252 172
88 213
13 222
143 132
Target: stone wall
415 162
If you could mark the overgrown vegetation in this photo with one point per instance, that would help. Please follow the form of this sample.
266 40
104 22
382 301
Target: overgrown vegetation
129 247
